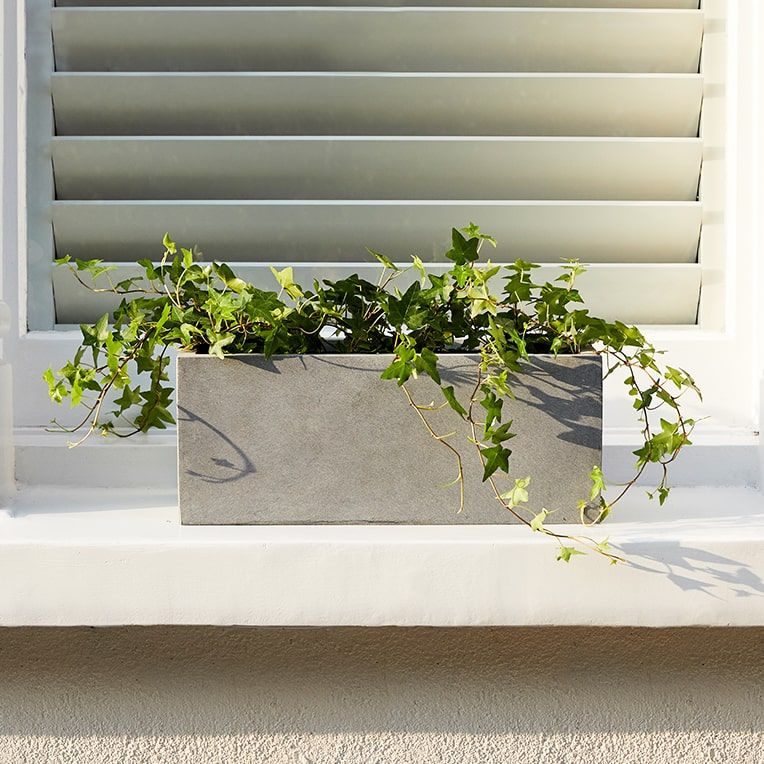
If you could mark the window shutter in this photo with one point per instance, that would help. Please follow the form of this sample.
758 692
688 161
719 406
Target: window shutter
297 134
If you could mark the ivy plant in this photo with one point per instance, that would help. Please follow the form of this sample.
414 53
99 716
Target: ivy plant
118 375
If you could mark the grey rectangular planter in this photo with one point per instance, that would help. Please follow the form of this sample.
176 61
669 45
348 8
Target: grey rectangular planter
322 439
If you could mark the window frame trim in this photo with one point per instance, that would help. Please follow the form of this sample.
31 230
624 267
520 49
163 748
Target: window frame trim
728 359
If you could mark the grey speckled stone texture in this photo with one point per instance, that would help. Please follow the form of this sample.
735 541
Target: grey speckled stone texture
322 439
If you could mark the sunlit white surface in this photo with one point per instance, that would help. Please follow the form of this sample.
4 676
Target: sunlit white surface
70 557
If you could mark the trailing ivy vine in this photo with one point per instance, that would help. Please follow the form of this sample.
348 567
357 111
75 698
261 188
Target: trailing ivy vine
119 373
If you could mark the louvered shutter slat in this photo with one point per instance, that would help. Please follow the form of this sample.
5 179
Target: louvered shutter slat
303 134
393 104
373 39
598 232
384 168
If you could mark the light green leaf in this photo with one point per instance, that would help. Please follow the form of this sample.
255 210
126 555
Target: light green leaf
216 349
102 328
386 261
169 244
285 277
566 552
598 483
419 267
537 523
603 546
518 494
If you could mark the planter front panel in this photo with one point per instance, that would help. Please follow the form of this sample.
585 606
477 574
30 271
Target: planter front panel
322 439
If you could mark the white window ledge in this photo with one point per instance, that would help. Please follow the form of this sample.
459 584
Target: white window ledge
71 557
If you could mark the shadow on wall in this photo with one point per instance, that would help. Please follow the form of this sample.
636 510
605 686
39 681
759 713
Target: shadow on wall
382 683
234 466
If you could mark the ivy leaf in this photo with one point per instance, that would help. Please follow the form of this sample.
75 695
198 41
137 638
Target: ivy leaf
386 261
566 552
56 389
603 546
130 397
473 232
216 348
419 267
501 434
450 396
492 405
537 523
463 251
598 483
285 278
400 309
426 361
169 245
102 328
518 494
403 366
237 285
496 457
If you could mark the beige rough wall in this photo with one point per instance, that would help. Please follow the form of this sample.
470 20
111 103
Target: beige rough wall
383 695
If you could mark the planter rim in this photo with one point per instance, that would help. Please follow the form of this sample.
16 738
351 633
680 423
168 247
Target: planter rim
188 354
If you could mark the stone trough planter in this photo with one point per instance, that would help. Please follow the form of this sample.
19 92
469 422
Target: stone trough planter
322 439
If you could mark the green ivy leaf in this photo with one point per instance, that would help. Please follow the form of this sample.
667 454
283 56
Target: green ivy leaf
492 405
450 396
603 546
537 523
427 362
463 251
169 244
401 310
472 231
518 494
101 328
501 434
496 458
566 552
130 397
216 348
386 261
598 483
285 278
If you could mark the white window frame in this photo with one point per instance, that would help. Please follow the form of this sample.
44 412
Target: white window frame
725 351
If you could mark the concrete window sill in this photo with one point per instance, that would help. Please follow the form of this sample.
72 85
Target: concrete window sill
72 557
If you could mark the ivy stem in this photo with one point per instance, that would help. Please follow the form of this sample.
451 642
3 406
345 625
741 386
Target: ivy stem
440 439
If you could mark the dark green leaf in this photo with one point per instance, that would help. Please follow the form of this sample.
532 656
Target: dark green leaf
450 396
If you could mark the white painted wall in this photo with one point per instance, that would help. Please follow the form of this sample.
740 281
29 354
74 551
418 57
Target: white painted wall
381 695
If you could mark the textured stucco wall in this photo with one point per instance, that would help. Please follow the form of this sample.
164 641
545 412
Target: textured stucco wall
383 695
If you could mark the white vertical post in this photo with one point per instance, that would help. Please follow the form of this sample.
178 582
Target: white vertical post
6 414
8 216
